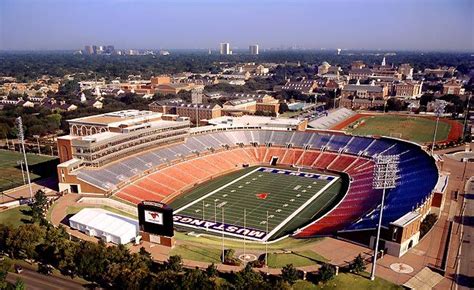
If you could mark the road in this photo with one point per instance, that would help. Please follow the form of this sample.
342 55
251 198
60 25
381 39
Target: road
465 271
36 281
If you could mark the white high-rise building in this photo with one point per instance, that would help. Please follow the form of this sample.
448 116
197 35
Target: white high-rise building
253 49
225 48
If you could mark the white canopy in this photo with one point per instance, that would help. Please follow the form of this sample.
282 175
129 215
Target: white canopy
104 224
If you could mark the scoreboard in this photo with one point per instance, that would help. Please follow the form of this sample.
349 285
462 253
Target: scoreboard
155 218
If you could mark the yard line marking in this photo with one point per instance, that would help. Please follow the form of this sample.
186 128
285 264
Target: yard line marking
216 190
297 211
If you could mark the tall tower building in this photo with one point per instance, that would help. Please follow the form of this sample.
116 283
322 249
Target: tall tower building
225 48
253 49
383 61
88 49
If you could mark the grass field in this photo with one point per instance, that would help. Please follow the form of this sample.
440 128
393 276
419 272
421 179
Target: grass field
196 253
291 199
348 281
14 216
10 171
415 129
76 209
298 259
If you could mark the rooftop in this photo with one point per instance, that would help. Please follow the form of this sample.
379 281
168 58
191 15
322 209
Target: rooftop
406 219
114 119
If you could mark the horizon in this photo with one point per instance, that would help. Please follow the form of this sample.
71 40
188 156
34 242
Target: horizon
359 25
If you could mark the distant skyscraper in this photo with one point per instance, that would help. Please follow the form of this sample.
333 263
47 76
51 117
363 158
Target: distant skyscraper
88 49
338 51
383 61
253 49
225 48
94 48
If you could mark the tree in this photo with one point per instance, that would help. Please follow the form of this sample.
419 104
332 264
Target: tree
196 279
174 263
283 108
19 284
357 265
23 241
248 278
289 274
326 272
38 207
211 271
5 265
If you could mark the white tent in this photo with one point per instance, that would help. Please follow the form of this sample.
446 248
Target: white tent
106 225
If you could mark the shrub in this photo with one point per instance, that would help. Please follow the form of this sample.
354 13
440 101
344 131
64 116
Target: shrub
427 224
326 272
289 274
358 265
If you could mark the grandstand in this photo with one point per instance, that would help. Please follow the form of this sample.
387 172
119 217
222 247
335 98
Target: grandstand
331 119
163 173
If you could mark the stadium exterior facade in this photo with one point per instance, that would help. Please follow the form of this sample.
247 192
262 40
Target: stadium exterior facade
182 158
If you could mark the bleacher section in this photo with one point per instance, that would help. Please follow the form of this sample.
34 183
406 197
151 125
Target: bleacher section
163 173
333 118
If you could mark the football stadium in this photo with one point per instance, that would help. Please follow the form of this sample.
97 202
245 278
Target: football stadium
254 178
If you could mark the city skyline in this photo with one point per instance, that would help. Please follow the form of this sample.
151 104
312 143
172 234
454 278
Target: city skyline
203 24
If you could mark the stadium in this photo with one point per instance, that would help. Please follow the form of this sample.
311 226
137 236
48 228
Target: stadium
253 178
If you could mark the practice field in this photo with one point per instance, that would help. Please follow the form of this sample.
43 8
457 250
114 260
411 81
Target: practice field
10 172
417 129
237 205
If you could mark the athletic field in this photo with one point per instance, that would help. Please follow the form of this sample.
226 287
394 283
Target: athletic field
10 170
417 129
237 205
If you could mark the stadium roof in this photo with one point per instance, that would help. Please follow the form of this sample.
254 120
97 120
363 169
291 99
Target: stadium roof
117 118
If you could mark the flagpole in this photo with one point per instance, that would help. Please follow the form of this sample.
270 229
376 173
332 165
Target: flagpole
245 213
223 226
266 245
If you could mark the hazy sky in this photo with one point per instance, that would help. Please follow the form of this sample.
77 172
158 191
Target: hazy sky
356 24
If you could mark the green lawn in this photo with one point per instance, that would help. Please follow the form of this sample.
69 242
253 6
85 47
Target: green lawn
411 128
298 259
14 216
10 172
76 209
196 253
347 281
214 242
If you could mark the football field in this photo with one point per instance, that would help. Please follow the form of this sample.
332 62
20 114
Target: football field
260 204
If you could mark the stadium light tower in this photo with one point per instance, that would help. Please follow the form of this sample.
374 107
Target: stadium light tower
385 177
21 136
439 111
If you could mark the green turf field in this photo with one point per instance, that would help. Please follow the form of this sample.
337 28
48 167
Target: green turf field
10 171
415 129
14 216
291 201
